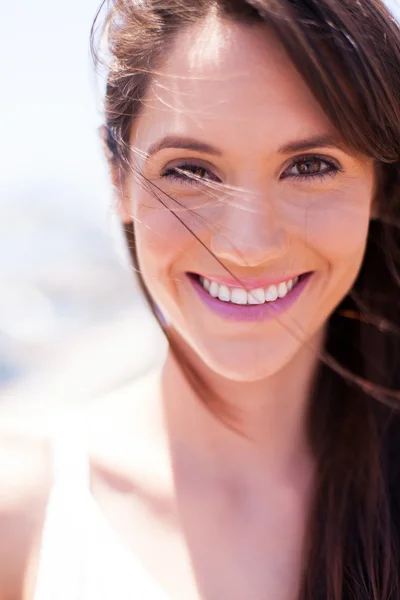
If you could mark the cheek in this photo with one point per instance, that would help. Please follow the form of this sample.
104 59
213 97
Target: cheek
162 241
336 225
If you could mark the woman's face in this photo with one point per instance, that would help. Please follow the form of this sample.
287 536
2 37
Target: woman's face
239 175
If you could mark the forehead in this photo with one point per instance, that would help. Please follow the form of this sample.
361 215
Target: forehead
230 81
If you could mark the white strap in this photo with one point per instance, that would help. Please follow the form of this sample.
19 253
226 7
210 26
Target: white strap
82 557
64 552
70 454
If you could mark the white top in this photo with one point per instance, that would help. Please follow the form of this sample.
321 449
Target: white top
82 557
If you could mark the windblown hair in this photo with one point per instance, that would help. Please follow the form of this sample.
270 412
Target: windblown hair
348 53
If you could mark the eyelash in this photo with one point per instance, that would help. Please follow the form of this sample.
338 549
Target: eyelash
331 170
173 173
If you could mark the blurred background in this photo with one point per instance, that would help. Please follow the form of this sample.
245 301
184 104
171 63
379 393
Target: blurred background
72 323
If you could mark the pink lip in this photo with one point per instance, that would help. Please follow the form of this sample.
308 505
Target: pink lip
250 284
253 312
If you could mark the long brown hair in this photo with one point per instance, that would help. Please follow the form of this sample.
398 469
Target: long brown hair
348 53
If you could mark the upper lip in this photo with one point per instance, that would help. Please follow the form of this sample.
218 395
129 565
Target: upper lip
251 283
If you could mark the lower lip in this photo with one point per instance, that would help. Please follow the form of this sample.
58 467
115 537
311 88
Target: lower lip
251 312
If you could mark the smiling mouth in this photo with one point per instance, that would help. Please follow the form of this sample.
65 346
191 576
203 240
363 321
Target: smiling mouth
251 297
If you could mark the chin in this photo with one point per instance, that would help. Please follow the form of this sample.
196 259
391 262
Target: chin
247 365
243 358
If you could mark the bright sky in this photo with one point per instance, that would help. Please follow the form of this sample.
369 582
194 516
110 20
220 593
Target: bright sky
48 114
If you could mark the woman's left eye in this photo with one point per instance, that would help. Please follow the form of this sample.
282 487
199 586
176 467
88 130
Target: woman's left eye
311 167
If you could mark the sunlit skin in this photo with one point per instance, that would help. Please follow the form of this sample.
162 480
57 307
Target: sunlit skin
252 126
232 88
238 93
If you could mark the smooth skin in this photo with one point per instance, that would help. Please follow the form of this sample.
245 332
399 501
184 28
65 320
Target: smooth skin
211 513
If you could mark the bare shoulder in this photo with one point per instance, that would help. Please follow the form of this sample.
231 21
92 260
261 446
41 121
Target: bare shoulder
123 422
25 481
25 462
126 404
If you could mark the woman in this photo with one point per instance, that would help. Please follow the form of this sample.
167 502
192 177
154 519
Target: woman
254 150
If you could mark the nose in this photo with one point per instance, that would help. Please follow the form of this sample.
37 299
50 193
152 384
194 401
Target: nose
249 234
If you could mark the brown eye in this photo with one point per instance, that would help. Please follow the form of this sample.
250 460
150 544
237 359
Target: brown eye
309 166
199 172
190 173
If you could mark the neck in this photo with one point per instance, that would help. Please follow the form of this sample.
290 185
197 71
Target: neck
270 419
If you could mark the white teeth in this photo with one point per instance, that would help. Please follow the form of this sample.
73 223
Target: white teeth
271 294
282 290
256 296
214 289
206 284
239 296
224 293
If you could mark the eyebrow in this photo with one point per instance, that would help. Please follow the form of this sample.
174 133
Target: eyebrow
318 141
187 143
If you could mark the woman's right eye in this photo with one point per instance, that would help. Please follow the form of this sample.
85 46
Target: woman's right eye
190 173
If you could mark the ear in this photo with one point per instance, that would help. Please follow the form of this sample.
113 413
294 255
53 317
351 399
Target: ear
121 197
